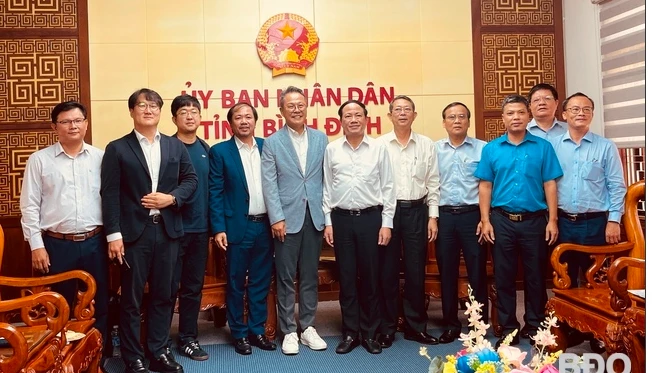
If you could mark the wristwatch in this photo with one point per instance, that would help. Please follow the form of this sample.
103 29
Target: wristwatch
174 201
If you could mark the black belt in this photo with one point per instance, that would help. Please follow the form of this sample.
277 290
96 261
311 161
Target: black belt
458 209
156 219
77 237
583 216
356 212
257 218
409 204
519 216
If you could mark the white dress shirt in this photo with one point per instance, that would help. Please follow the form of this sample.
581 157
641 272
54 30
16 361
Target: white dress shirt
251 159
61 193
355 179
152 152
300 143
416 171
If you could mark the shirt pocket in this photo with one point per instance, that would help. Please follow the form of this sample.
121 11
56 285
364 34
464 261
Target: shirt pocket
592 171
533 169
469 168
369 172
419 172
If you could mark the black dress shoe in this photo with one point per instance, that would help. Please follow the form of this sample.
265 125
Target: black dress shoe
527 332
449 336
242 346
136 366
385 340
372 346
261 342
515 341
165 364
347 344
422 338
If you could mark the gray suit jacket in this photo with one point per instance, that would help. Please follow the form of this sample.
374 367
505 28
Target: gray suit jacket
286 189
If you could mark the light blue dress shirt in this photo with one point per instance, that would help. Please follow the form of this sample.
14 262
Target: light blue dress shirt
458 185
558 129
518 172
593 178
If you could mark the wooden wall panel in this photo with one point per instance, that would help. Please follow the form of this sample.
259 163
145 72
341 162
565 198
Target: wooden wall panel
43 61
517 44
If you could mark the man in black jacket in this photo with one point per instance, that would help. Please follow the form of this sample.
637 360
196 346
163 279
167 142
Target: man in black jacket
146 178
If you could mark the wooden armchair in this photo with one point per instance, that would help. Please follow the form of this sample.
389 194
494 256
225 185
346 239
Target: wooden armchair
634 318
79 356
36 346
599 307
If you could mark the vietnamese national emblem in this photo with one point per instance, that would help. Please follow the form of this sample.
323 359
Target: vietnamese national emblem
287 43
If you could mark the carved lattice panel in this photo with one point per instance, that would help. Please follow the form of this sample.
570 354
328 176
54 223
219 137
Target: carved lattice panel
513 63
35 75
517 12
15 148
42 14
494 128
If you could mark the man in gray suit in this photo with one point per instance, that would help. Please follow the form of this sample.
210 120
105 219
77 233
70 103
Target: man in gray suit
291 165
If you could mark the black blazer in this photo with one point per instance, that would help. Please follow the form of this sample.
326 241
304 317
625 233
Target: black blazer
126 179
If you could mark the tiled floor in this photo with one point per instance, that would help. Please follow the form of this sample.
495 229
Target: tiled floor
328 323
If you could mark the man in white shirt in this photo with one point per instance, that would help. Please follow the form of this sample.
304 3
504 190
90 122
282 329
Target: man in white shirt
62 211
417 183
240 226
359 205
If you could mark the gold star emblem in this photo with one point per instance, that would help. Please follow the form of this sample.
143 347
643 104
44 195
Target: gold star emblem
287 31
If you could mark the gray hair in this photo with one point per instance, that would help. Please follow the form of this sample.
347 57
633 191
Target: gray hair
290 89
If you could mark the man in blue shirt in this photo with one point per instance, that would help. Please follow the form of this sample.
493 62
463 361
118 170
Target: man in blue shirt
543 99
592 191
518 173
460 217
188 278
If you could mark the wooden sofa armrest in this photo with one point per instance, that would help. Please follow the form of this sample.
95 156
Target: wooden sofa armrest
561 278
84 307
619 297
48 306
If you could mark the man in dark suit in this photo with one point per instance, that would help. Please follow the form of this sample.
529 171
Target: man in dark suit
239 223
146 177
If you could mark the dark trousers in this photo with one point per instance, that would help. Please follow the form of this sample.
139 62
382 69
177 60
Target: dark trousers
409 231
582 232
152 259
356 246
188 281
91 256
456 233
249 262
523 239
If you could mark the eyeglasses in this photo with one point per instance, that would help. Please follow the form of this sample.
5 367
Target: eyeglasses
406 110
68 122
142 105
452 117
292 107
546 99
183 113
577 109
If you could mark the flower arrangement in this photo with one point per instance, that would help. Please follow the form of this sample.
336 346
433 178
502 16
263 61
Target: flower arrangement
479 356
